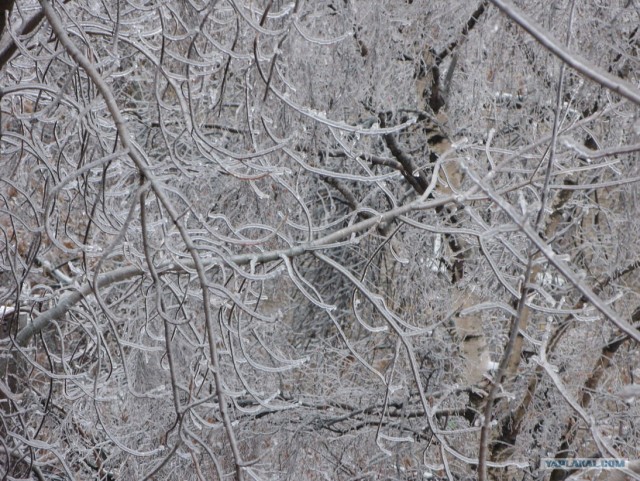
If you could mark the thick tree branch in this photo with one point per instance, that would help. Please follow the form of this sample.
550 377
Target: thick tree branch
575 61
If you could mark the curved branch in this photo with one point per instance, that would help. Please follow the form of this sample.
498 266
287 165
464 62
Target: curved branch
7 50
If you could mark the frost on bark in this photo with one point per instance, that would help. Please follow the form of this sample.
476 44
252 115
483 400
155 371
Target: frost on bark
317 240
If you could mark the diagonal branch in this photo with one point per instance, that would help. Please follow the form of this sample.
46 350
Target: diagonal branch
141 162
555 260
575 61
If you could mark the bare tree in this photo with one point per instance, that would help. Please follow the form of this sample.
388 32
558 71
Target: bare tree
338 239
